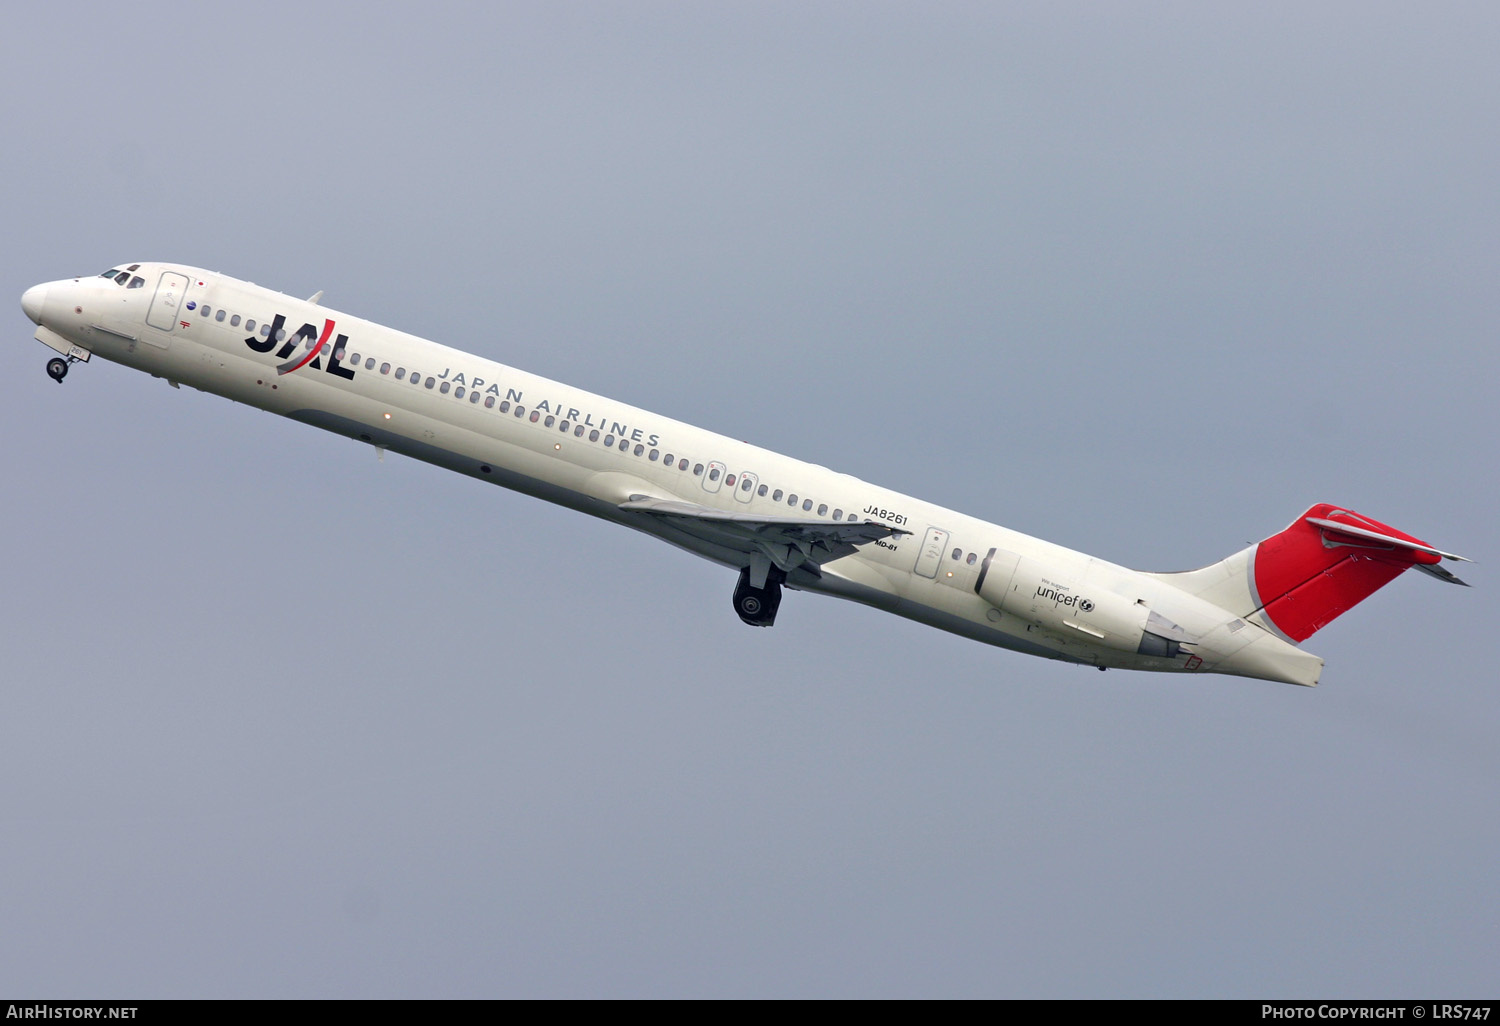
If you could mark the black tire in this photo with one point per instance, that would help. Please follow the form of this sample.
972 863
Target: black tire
757 606
57 369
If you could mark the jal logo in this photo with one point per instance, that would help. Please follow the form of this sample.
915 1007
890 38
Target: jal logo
308 337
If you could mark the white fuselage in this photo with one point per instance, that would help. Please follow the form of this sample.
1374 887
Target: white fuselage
493 422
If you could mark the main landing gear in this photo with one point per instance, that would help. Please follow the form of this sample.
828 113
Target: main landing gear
757 606
57 369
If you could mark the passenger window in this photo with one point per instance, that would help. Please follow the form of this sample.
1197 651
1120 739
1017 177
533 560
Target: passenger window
791 500
594 435
265 331
776 495
697 470
430 381
550 420
713 475
729 480
281 334
370 363
957 553
609 441
838 514
624 445
806 504
682 463
400 371
234 322
520 410
504 405
746 484
822 509
219 316
578 431
655 454
761 491
536 415
564 426
249 325
206 311
489 402
639 449
446 385
972 556
385 368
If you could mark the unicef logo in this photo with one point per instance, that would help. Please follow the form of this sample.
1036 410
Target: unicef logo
1085 605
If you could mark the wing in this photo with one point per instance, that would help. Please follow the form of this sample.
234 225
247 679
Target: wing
788 542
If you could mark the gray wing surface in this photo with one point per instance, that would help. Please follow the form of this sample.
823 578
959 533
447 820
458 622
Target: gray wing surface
787 541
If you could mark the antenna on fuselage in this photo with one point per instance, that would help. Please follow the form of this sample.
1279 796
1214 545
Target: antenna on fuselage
315 297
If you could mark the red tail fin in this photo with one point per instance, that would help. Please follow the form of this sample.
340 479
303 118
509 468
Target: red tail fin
1326 562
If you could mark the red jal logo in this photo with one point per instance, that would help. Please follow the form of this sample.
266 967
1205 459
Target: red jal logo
314 340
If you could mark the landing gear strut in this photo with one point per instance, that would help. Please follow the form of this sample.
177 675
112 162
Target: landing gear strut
757 606
57 369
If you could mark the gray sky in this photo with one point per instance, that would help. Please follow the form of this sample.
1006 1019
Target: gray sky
283 720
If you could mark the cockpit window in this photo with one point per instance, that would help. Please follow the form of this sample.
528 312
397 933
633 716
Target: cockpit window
136 282
110 273
133 267
122 277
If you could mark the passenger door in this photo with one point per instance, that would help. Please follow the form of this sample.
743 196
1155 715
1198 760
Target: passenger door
930 555
167 302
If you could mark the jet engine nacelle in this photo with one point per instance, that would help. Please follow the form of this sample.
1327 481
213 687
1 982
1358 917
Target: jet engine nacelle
1025 588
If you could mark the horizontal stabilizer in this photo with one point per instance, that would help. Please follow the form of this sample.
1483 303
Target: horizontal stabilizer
1328 561
1324 563
1398 541
1441 574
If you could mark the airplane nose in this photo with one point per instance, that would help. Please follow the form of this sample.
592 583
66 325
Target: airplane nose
32 300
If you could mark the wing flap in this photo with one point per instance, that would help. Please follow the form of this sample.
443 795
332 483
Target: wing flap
787 541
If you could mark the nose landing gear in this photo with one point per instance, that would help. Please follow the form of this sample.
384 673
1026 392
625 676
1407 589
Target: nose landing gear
57 369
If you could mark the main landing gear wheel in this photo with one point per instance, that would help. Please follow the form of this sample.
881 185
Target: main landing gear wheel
57 369
757 606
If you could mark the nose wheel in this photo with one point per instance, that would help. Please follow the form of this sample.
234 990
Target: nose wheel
57 369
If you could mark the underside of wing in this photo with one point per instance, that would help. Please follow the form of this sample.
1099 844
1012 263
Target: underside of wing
788 542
